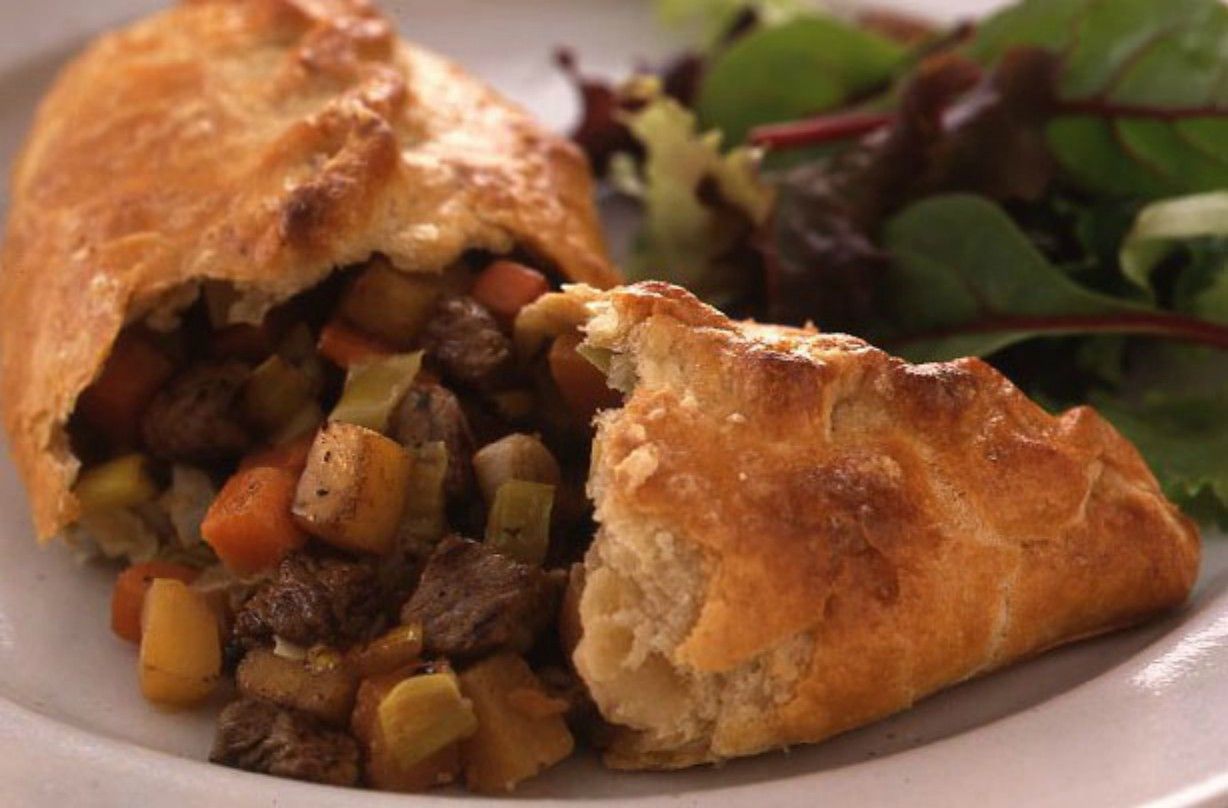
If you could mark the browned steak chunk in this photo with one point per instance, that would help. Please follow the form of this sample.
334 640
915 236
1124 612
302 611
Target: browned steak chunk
431 413
194 418
466 342
260 737
472 601
312 600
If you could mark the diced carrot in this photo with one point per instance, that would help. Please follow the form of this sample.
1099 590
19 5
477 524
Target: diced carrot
131 377
249 524
506 287
291 457
582 385
242 341
344 345
129 594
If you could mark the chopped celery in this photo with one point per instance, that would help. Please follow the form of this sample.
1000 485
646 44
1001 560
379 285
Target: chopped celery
306 420
519 521
275 393
119 483
599 358
424 522
374 389
422 715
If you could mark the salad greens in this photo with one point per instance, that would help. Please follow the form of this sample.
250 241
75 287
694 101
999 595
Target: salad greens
699 204
1142 86
743 88
1047 188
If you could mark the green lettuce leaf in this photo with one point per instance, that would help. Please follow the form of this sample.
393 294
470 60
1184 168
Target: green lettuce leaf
699 203
1145 101
1162 225
788 71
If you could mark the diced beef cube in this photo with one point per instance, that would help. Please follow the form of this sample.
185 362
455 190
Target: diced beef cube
430 413
464 339
312 600
258 736
472 601
194 419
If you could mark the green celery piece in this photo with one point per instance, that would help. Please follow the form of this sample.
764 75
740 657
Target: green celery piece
519 522
275 393
373 390
423 714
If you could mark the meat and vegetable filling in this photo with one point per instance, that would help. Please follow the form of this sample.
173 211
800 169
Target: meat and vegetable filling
363 509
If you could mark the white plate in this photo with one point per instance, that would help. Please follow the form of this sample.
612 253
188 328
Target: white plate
1136 717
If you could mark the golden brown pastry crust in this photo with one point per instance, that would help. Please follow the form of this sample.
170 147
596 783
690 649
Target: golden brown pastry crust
261 142
861 531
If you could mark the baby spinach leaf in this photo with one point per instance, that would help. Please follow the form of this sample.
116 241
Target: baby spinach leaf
788 71
1143 99
965 280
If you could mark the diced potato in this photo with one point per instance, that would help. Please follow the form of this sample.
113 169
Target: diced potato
515 457
352 492
394 650
383 769
120 483
424 520
391 305
275 393
512 742
181 652
422 715
374 389
518 525
128 596
325 692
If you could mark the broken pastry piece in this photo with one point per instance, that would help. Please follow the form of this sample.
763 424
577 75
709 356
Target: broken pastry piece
800 534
